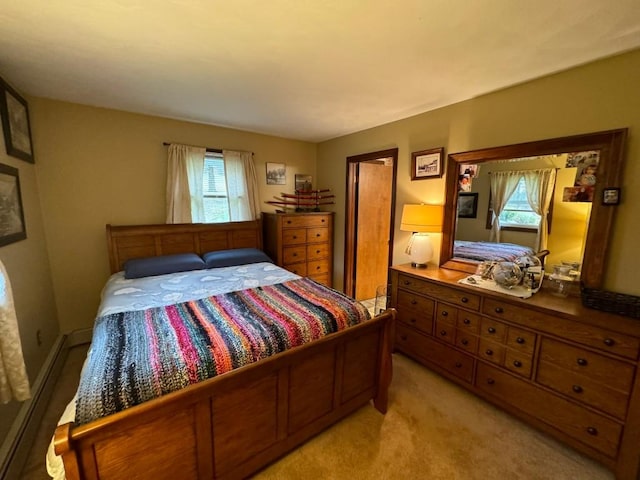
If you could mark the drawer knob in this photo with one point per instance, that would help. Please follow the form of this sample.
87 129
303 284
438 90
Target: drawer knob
490 381
407 282
592 431
445 313
609 342
491 330
582 362
317 234
295 254
489 352
466 321
318 267
413 320
520 340
464 341
403 337
458 365
517 363
443 333
499 310
317 251
323 220
295 237
464 300
413 301
577 388
288 222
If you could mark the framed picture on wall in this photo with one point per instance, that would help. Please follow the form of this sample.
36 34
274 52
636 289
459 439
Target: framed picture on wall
12 227
276 174
427 164
467 205
15 123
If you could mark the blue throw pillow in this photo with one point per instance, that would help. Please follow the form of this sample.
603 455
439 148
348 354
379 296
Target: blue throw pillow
237 256
150 266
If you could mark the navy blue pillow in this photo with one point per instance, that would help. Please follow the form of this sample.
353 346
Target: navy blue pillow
150 266
237 256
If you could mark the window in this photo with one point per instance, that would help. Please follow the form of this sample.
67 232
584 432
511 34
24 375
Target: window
517 212
214 189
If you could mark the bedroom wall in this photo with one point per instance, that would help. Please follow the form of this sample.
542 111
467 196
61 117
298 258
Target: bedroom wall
99 166
27 265
598 96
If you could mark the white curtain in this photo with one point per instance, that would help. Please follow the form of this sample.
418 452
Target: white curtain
503 184
14 382
242 185
540 185
184 184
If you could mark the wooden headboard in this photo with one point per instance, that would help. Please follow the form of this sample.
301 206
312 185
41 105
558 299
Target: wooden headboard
137 241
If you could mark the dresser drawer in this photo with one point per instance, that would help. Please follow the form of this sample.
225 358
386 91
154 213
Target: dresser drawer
467 340
446 294
583 389
317 235
294 221
445 331
495 331
468 321
323 279
317 267
297 268
446 313
294 236
579 423
607 371
316 251
521 340
491 351
294 254
518 362
415 319
579 332
409 300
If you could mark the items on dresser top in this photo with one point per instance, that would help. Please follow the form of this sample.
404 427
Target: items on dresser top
565 369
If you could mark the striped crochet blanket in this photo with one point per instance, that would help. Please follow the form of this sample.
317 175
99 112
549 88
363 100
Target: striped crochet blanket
140 355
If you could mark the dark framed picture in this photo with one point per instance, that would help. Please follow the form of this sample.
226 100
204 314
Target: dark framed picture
303 183
15 123
12 227
427 164
276 174
611 196
467 205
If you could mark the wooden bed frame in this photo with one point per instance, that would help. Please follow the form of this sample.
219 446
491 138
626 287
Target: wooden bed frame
232 425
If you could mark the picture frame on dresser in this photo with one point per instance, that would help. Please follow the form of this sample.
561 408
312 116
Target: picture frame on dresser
15 123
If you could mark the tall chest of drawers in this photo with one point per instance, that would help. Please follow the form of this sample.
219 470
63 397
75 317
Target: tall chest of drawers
302 243
570 371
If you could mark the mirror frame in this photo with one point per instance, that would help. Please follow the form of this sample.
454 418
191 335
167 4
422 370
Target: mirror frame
611 144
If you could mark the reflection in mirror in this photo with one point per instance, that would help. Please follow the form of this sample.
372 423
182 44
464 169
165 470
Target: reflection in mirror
509 186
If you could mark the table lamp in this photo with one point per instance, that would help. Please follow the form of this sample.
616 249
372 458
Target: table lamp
421 220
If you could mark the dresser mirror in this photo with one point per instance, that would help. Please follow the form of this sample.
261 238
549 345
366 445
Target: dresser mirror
561 154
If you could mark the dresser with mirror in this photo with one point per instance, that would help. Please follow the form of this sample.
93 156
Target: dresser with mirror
568 370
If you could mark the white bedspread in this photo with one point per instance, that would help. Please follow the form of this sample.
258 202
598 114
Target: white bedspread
121 295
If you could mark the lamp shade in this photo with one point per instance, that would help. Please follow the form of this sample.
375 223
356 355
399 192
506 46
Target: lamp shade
422 218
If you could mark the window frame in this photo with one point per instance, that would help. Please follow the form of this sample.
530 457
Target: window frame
511 228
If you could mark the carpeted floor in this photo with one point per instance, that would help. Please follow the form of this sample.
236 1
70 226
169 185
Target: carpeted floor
433 430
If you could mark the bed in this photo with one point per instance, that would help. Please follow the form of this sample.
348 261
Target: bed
236 422
491 251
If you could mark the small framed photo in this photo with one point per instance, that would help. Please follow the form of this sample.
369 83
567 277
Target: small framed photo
15 123
611 196
303 183
276 174
467 205
427 164
12 227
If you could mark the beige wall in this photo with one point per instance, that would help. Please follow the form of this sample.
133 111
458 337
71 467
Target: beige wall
599 96
27 265
98 166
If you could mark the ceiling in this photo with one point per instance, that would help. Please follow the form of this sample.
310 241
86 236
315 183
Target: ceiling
302 69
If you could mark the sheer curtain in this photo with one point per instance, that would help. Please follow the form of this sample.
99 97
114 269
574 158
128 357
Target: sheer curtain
503 184
184 184
14 382
242 185
540 185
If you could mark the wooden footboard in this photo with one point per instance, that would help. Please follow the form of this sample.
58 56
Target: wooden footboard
233 425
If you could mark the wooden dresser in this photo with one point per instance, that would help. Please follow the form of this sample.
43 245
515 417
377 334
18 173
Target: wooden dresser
565 369
301 242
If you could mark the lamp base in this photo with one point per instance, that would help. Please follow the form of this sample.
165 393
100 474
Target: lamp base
418 265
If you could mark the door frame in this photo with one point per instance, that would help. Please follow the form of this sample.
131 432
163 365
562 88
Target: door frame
351 213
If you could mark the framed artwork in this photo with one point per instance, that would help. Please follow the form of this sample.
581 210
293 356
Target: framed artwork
12 227
303 183
467 205
276 174
427 164
611 196
15 123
